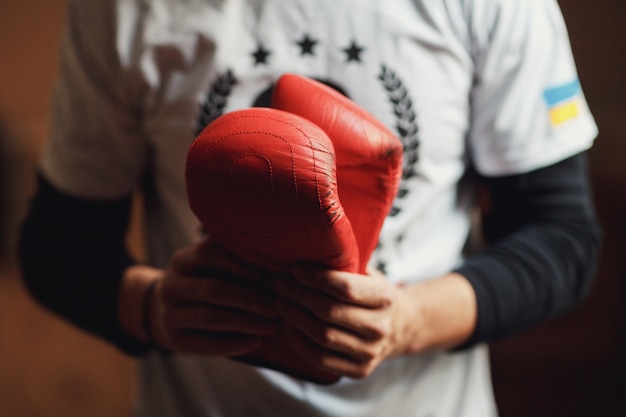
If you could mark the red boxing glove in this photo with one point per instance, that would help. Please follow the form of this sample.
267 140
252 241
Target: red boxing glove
262 183
313 183
368 155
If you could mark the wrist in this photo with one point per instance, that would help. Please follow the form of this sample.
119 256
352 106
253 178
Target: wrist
444 313
135 293
146 311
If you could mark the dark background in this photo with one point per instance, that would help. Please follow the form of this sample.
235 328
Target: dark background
572 366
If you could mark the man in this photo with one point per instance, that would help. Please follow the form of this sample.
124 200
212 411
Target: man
469 86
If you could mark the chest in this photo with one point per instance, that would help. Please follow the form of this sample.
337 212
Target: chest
406 62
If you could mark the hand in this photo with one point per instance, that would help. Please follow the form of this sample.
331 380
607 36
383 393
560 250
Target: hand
209 302
347 323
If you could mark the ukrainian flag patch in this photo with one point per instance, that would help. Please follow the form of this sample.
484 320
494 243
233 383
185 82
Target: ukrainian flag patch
564 102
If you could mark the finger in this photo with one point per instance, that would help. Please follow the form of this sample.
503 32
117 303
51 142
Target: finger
367 323
329 337
210 257
202 343
372 291
185 290
328 360
213 319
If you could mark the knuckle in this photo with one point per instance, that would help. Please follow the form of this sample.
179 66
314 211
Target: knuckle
324 363
366 369
348 290
379 329
328 337
369 354
362 372
369 369
386 298
332 312
325 310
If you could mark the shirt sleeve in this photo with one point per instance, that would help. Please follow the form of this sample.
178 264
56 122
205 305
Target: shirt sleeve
528 107
543 243
74 265
96 147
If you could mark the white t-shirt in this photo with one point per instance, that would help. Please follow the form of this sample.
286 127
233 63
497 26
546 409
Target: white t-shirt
491 82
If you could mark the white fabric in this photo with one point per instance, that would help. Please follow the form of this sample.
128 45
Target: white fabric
473 73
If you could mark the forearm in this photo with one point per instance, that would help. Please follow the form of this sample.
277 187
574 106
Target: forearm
540 260
531 276
73 259
133 307
543 243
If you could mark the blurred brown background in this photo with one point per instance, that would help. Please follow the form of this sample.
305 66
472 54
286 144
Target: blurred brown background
571 366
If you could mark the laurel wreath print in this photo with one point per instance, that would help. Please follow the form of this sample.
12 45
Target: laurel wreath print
406 127
216 99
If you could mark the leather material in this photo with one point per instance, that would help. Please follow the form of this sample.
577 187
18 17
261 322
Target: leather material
262 182
368 155
310 180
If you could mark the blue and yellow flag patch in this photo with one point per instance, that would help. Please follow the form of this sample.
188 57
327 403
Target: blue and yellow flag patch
563 102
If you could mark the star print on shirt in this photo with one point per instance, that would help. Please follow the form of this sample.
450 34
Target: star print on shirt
306 45
353 52
381 266
260 55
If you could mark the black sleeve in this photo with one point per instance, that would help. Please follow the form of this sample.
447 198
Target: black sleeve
543 242
72 254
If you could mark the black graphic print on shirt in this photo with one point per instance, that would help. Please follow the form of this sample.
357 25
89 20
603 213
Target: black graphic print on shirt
398 96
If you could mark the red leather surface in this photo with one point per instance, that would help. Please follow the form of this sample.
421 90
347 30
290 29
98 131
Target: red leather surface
368 155
262 183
